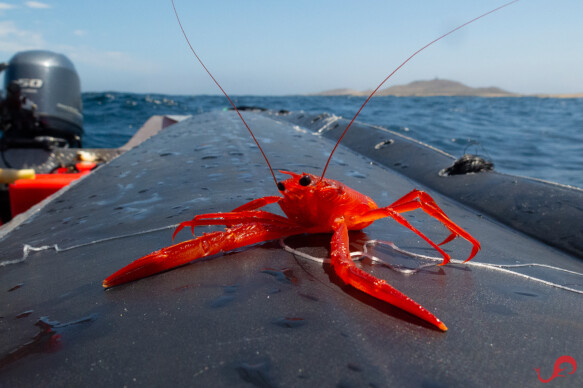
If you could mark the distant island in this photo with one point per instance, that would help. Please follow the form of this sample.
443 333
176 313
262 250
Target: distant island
438 87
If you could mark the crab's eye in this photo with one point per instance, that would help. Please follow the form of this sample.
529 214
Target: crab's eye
305 180
280 186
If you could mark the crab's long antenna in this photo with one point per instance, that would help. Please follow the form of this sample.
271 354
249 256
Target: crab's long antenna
397 69
225 93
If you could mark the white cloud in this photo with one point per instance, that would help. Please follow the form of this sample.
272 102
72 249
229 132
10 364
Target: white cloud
13 39
80 32
110 60
5 6
37 4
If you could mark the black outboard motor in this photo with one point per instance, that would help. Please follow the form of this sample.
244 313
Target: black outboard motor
42 106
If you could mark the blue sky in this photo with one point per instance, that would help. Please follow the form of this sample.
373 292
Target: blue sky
268 47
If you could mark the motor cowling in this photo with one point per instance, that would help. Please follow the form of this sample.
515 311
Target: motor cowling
42 100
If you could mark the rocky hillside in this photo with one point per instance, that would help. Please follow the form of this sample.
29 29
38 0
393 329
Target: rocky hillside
436 87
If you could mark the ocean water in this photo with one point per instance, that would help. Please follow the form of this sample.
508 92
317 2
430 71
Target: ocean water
535 137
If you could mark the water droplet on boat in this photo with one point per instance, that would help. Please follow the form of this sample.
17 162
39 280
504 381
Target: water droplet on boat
227 298
383 144
231 289
202 147
523 293
355 174
309 297
24 314
289 322
46 341
16 287
222 301
284 275
256 374
350 384
183 288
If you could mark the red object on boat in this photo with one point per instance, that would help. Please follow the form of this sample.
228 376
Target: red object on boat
25 193
85 166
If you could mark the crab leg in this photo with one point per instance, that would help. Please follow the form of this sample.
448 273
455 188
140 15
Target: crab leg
354 276
248 208
417 199
203 246
234 218
389 212
420 200
257 203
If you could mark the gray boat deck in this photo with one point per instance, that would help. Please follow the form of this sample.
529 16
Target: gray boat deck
262 316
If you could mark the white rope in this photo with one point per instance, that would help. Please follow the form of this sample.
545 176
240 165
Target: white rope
494 267
27 249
